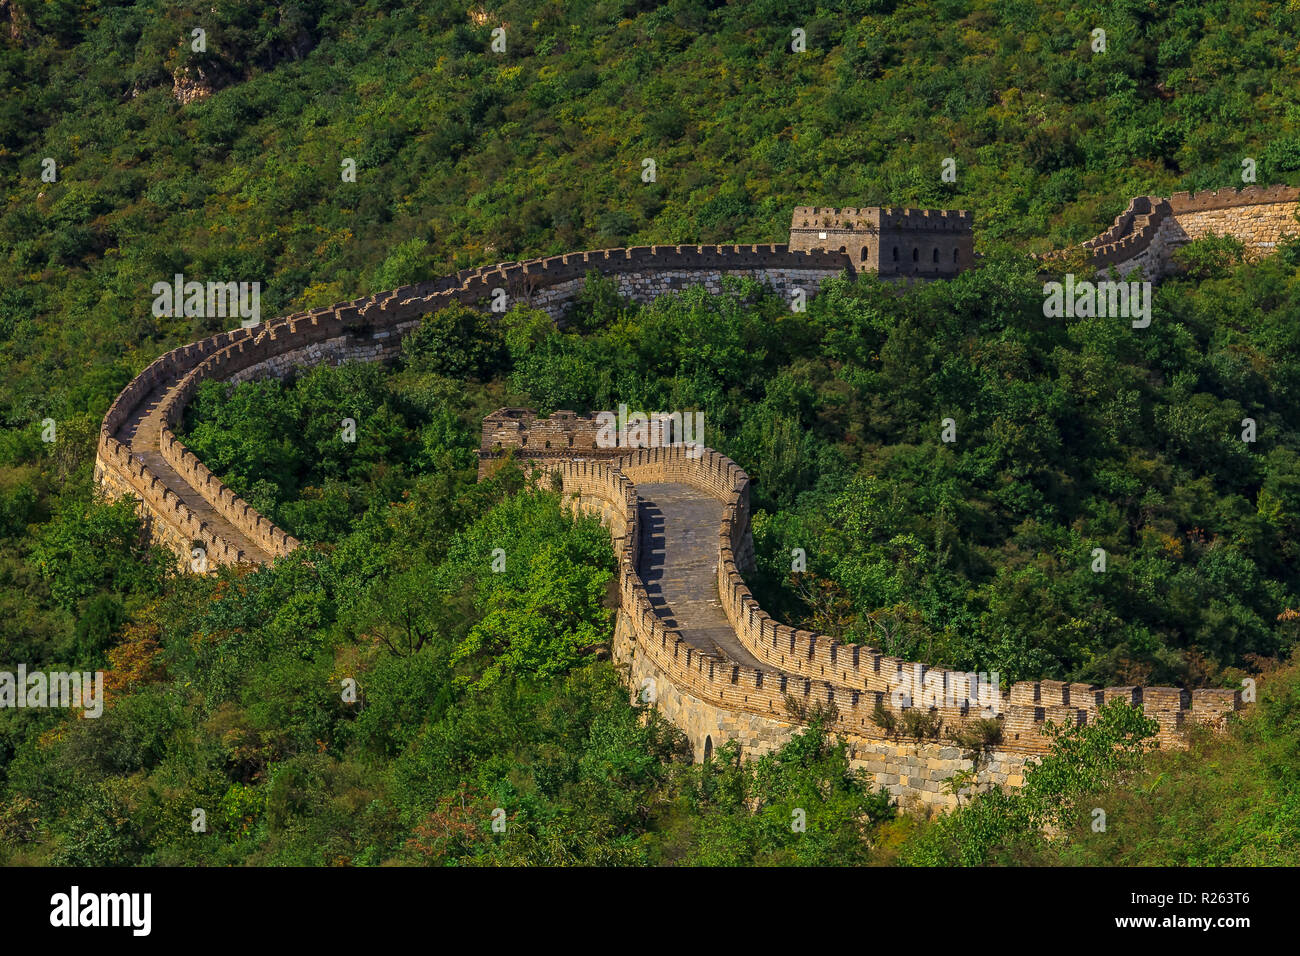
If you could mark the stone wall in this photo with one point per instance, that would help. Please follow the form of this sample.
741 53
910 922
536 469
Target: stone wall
371 329
915 774
713 700
858 679
645 272
567 436
1148 232
706 694
167 519
113 479
647 286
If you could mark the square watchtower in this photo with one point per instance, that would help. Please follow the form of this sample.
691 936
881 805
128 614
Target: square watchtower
933 243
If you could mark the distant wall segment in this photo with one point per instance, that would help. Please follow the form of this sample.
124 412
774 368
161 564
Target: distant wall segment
1151 229
184 505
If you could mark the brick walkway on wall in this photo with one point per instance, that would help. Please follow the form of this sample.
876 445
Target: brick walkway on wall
679 557
141 434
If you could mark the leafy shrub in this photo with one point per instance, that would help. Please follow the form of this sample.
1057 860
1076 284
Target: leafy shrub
1211 257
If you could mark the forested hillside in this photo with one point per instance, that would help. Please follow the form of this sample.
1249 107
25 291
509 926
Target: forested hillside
485 691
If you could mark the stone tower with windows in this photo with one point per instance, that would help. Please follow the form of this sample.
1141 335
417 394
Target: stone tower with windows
927 243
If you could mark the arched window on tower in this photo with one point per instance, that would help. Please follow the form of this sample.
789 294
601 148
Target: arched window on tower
936 255
895 253
916 254
865 252
954 257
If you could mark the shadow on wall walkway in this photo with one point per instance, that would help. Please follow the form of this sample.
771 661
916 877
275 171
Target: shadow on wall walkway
679 561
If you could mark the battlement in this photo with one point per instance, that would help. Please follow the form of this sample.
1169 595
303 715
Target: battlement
926 220
824 217
893 217
1230 198
553 270
566 435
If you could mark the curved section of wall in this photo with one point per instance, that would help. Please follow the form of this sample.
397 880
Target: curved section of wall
234 508
120 471
183 503
1146 234
830 677
715 701
859 679
168 519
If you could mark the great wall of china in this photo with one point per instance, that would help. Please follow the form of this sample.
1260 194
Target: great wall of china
688 626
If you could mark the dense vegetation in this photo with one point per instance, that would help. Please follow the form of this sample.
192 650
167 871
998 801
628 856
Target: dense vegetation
481 690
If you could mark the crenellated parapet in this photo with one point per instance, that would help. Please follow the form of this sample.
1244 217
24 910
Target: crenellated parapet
1174 709
565 435
562 436
642 273
1235 198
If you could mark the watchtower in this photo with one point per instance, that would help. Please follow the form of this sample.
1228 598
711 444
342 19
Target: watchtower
891 241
